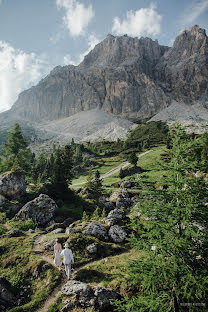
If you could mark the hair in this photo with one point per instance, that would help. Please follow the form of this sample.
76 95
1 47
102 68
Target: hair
58 240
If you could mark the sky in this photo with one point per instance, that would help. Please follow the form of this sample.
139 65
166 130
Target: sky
37 35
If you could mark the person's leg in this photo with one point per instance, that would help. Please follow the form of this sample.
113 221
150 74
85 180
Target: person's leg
68 270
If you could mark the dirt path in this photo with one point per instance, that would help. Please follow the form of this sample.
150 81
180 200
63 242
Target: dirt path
6 226
114 170
57 291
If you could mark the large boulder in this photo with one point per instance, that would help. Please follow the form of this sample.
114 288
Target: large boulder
96 229
114 217
9 207
40 210
103 298
117 234
81 293
12 185
7 298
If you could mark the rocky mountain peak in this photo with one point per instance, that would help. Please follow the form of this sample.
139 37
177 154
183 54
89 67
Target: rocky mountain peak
122 50
123 76
190 42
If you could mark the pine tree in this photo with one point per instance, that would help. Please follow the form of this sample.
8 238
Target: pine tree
133 159
174 267
16 149
121 174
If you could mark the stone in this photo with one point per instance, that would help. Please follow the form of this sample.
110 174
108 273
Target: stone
49 245
114 197
72 231
7 297
109 205
12 185
92 249
123 202
103 298
55 226
40 210
67 222
11 208
58 230
15 233
114 217
117 234
80 292
96 229
126 184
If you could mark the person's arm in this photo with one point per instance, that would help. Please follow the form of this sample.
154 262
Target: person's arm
72 258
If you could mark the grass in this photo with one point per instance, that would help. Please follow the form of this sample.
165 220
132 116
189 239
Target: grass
110 273
17 264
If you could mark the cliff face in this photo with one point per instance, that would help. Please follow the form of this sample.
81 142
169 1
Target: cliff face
183 70
124 76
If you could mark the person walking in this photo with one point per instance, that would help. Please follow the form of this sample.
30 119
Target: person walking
68 259
57 253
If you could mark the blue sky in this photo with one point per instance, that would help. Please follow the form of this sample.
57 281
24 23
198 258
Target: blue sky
36 35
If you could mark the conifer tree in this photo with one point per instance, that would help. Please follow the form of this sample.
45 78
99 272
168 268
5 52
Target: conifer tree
172 273
133 159
16 149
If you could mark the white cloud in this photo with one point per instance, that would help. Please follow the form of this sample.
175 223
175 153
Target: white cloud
77 16
92 41
192 12
143 22
18 71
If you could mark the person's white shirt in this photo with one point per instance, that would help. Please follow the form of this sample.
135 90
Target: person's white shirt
68 256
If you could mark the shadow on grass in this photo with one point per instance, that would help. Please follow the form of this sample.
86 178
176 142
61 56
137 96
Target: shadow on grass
89 276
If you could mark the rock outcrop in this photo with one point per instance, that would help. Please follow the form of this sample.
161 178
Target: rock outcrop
183 70
12 185
97 230
82 295
40 210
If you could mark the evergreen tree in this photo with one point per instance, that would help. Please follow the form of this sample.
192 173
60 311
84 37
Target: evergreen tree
16 150
133 159
174 268
121 174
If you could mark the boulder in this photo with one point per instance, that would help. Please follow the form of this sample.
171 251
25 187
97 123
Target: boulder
103 298
15 233
58 230
114 197
12 185
96 229
114 217
72 231
127 184
55 226
67 222
40 210
81 293
109 205
9 207
7 298
123 202
92 249
117 234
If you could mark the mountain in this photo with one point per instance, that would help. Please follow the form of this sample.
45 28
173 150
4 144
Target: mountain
121 76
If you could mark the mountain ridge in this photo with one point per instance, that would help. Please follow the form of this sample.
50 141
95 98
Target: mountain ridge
122 76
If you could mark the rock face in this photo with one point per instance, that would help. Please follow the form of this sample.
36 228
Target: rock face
124 76
40 210
12 185
183 70
96 229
